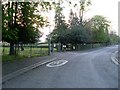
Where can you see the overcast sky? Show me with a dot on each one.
(106, 8)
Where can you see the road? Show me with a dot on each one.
(87, 69)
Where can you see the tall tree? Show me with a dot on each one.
(18, 21)
(82, 7)
(114, 39)
(60, 25)
(100, 26)
(9, 32)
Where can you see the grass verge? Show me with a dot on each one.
(27, 53)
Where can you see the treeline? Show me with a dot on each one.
(78, 31)
(21, 22)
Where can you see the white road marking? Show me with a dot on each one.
(57, 63)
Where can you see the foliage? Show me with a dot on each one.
(77, 35)
(100, 26)
(114, 39)
(82, 7)
(78, 31)
(21, 23)
(73, 34)
(60, 25)
(18, 22)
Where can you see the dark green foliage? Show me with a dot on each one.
(58, 33)
(73, 33)
(100, 26)
(95, 30)
(114, 39)
(20, 23)
(77, 35)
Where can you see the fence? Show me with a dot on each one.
(77, 47)
(40, 49)
(28, 50)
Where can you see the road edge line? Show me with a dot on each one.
(114, 60)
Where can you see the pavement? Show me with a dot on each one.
(85, 69)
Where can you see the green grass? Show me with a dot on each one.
(34, 52)
(27, 53)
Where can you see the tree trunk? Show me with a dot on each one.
(71, 47)
(61, 47)
(30, 50)
(76, 47)
(12, 51)
(10, 24)
(15, 49)
(52, 47)
(3, 52)
(92, 45)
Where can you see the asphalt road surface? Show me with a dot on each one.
(87, 69)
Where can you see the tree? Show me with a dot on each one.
(73, 19)
(114, 39)
(8, 31)
(82, 7)
(73, 34)
(18, 21)
(28, 19)
(100, 26)
(60, 25)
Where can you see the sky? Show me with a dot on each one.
(106, 8)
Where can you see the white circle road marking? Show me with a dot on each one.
(57, 63)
